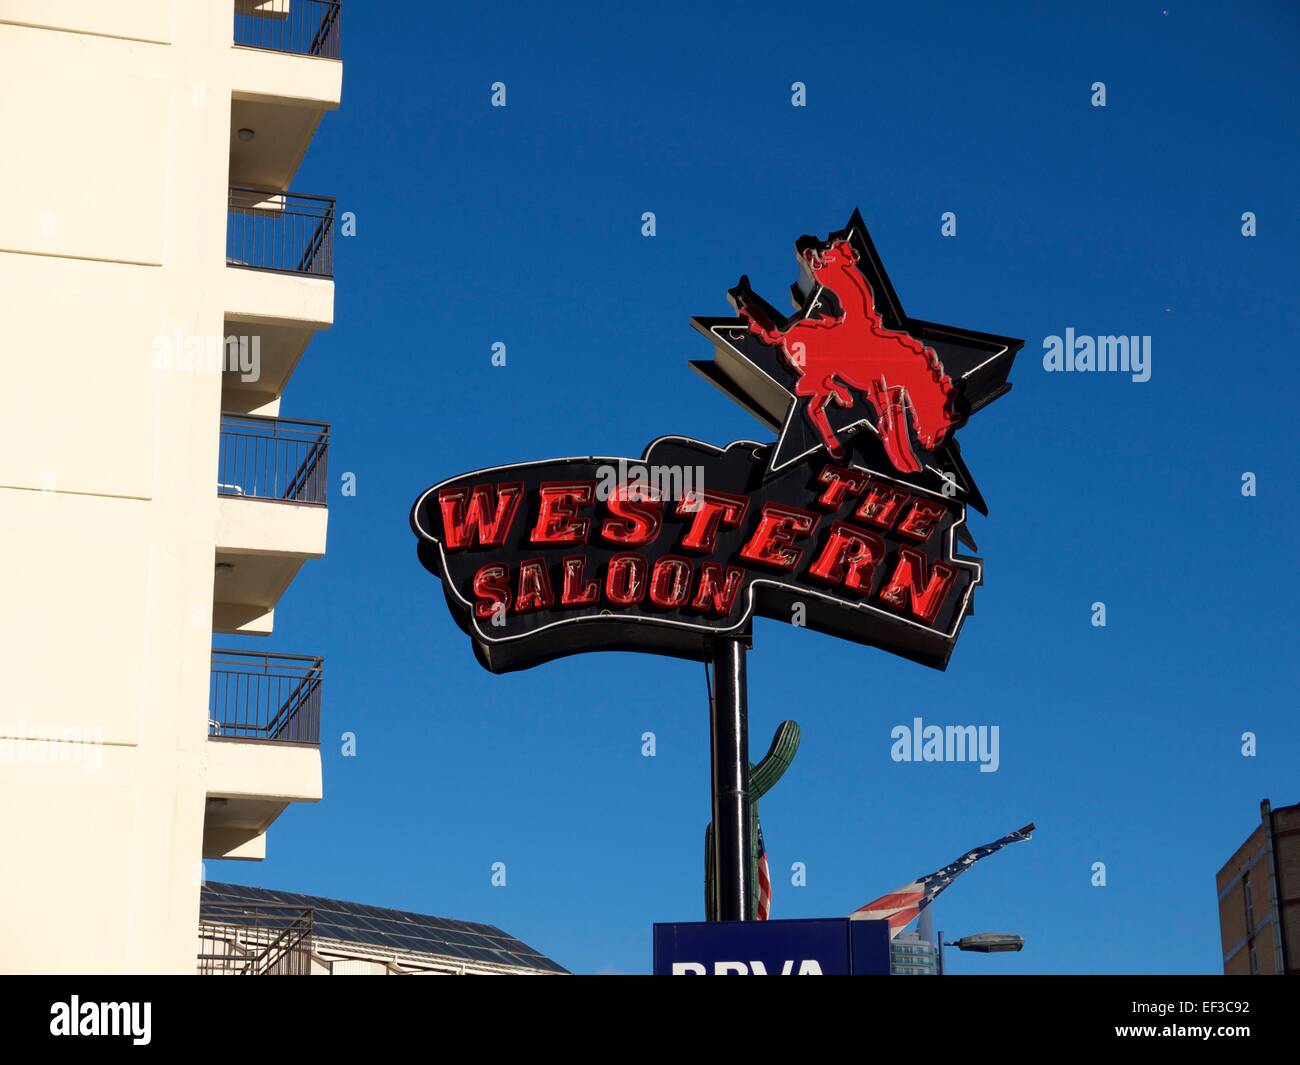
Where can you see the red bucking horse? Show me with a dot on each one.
(897, 373)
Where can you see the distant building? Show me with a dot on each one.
(246, 931)
(1259, 898)
(910, 955)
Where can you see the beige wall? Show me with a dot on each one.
(114, 119)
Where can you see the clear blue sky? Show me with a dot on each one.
(522, 225)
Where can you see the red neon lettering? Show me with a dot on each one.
(882, 506)
(921, 520)
(625, 579)
(465, 514)
(492, 586)
(840, 482)
(709, 511)
(849, 557)
(716, 595)
(535, 592)
(575, 591)
(909, 583)
(635, 522)
(778, 528)
(557, 518)
(670, 582)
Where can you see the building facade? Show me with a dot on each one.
(162, 280)
(911, 955)
(1259, 898)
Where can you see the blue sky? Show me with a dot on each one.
(523, 225)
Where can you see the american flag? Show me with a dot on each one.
(764, 907)
(901, 907)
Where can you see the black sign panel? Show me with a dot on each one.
(538, 561)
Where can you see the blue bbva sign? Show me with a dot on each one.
(830, 947)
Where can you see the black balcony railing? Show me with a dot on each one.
(304, 27)
(290, 232)
(265, 697)
(254, 939)
(273, 458)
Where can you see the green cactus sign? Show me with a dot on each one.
(762, 776)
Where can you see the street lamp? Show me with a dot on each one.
(989, 942)
(983, 943)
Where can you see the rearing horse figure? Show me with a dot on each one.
(896, 372)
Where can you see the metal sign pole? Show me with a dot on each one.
(729, 742)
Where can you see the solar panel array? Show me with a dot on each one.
(376, 926)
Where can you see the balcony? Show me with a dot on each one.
(273, 458)
(253, 939)
(285, 74)
(279, 265)
(265, 697)
(300, 27)
(288, 232)
(272, 488)
(263, 749)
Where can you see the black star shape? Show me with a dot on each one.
(758, 375)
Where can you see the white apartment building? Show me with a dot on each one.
(151, 496)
